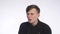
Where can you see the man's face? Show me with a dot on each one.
(32, 15)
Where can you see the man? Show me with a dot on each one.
(34, 26)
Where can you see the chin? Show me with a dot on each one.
(30, 22)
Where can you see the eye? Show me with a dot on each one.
(27, 13)
(32, 13)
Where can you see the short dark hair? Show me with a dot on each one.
(31, 7)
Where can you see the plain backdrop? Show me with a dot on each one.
(13, 13)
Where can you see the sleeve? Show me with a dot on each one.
(22, 29)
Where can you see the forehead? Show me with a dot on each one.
(32, 11)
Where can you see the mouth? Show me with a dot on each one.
(29, 19)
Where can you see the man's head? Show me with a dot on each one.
(33, 12)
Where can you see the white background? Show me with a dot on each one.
(13, 13)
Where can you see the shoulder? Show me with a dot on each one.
(24, 24)
(45, 26)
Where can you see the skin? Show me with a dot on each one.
(32, 16)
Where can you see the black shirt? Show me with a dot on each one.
(40, 28)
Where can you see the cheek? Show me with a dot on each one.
(35, 16)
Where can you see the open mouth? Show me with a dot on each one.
(29, 19)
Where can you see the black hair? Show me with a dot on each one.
(31, 7)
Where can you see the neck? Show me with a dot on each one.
(35, 23)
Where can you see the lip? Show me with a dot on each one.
(29, 19)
